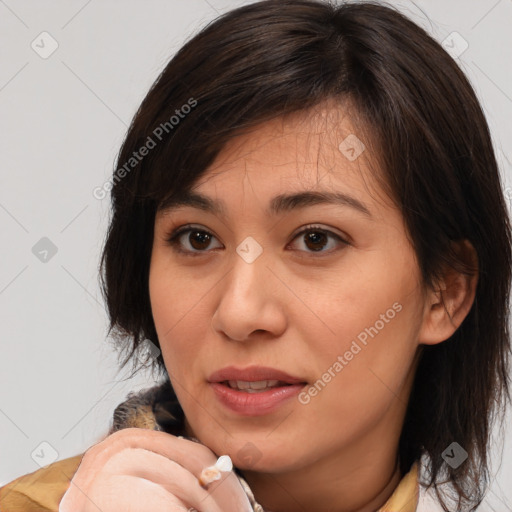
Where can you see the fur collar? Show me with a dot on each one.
(157, 408)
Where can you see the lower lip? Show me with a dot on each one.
(255, 404)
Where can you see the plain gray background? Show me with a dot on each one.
(63, 117)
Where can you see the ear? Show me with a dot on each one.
(448, 304)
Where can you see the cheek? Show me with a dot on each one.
(380, 346)
(175, 307)
(370, 351)
(372, 296)
(370, 319)
(174, 292)
(359, 382)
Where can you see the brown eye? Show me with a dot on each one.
(199, 240)
(318, 240)
(315, 240)
(193, 240)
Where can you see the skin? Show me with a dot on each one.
(141, 470)
(297, 310)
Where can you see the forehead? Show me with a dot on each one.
(320, 138)
(321, 149)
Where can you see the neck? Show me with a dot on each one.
(364, 487)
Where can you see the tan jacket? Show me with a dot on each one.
(42, 490)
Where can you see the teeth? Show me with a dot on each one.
(253, 387)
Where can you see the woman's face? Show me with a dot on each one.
(296, 262)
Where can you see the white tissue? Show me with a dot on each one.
(224, 463)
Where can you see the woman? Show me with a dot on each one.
(308, 223)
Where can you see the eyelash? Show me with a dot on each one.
(173, 239)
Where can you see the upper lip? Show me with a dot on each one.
(253, 374)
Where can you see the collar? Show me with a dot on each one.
(157, 408)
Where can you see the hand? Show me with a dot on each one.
(141, 470)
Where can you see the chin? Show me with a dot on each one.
(261, 455)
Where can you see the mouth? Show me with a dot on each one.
(258, 386)
(254, 377)
(254, 390)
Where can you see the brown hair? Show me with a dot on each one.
(273, 58)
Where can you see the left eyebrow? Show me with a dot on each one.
(279, 204)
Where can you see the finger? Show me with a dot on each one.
(189, 454)
(122, 492)
(165, 473)
(226, 493)
(229, 494)
(146, 496)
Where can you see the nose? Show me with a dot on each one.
(250, 303)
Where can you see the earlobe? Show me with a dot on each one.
(449, 303)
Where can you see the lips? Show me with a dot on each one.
(254, 374)
(254, 391)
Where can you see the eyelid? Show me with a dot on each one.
(310, 227)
